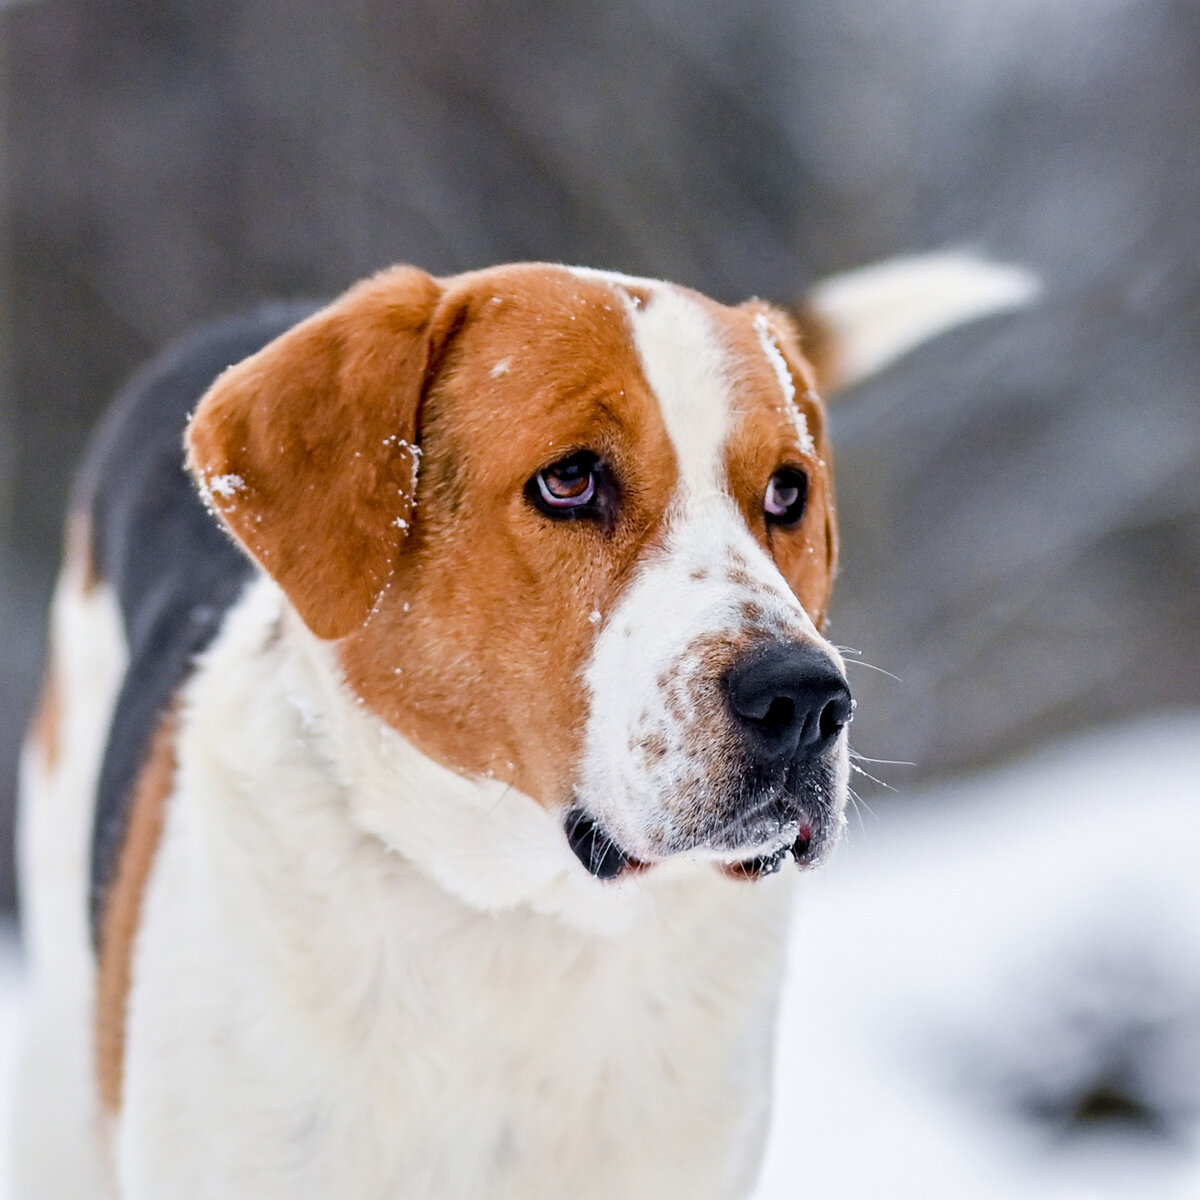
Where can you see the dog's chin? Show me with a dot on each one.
(744, 850)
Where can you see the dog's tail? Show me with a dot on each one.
(857, 323)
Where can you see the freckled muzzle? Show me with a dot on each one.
(789, 703)
(775, 769)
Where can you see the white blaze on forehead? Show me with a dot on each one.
(686, 367)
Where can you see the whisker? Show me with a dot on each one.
(867, 774)
(508, 787)
(859, 662)
(856, 802)
(864, 804)
(881, 762)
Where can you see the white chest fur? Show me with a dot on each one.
(361, 976)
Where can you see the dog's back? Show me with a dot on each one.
(146, 580)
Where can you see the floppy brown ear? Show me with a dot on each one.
(307, 450)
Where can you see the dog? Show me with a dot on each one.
(405, 808)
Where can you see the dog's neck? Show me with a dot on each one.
(482, 840)
(421, 901)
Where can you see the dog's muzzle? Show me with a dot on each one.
(787, 704)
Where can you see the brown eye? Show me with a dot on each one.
(569, 483)
(578, 487)
(787, 495)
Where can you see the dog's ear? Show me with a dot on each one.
(855, 324)
(307, 450)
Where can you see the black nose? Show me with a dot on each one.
(790, 700)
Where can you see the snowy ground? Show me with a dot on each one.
(995, 988)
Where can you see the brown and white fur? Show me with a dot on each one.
(347, 948)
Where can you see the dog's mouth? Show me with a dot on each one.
(602, 857)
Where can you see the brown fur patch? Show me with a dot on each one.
(765, 439)
(751, 612)
(487, 617)
(461, 612)
(122, 914)
(305, 448)
(653, 747)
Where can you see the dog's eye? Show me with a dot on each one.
(571, 487)
(787, 494)
(570, 483)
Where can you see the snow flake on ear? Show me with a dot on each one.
(409, 492)
(766, 338)
(414, 454)
(225, 486)
(501, 368)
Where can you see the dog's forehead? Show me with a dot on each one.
(716, 376)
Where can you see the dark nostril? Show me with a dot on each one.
(790, 700)
(779, 715)
(836, 715)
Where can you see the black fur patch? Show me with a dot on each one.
(174, 570)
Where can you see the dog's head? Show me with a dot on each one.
(570, 530)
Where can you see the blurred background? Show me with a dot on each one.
(1020, 500)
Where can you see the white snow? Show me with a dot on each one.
(774, 356)
(995, 943)
(414, 453)
(226, 485)
(770, 346)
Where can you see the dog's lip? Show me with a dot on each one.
(596, 848)
(601, 855)
(725, 837)
(803, 849)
